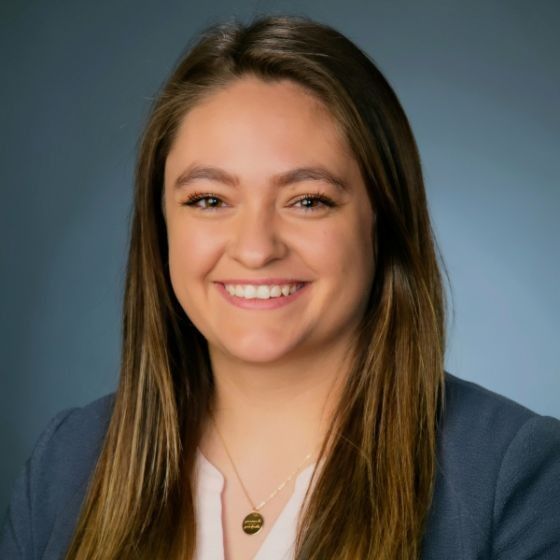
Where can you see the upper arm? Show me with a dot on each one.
(526, 517)
(17, 540)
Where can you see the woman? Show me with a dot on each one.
(282, 392)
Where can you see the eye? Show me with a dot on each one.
(210, 200)
(308, 201)
(315, 201)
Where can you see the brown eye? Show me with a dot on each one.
(310, 202)
(210, 201)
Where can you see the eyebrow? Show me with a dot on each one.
(290, 177)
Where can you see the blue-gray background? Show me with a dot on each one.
(479, 80)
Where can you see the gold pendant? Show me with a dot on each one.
(252, 523)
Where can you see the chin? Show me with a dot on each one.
(260, 356)
(258, 350)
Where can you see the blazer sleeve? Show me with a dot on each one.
(20, 529)
(526, 517)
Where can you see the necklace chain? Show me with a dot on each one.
(256, 508)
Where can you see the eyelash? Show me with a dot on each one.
(195, 197)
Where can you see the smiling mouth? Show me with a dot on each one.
(261, 296)
(262, 291)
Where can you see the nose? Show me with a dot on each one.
(256, 238)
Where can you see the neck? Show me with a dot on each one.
(284, 407)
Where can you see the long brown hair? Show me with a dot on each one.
(372, 496)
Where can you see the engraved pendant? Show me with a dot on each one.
(252, 523)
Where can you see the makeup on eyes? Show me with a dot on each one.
(317, 197)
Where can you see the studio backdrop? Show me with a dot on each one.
(479, 81)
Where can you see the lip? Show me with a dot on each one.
(255, 303)
(259, 281)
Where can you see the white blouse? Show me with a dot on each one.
(280, 540)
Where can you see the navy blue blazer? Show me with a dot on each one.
(497, 493)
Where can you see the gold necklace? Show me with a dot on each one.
(253, 522)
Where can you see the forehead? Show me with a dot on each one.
(278, 121)
(280, 97)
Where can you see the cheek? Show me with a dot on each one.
(192, 254)
(349, 250)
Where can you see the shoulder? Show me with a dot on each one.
(474, 415)
(498, 477)
(47, 495)
(75, 433)
(75, 429)
(462, 395)
(68, 447)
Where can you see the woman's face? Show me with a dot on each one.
(263, 196)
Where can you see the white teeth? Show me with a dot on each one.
(275, 291)
(249, 291)
(261, 291)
